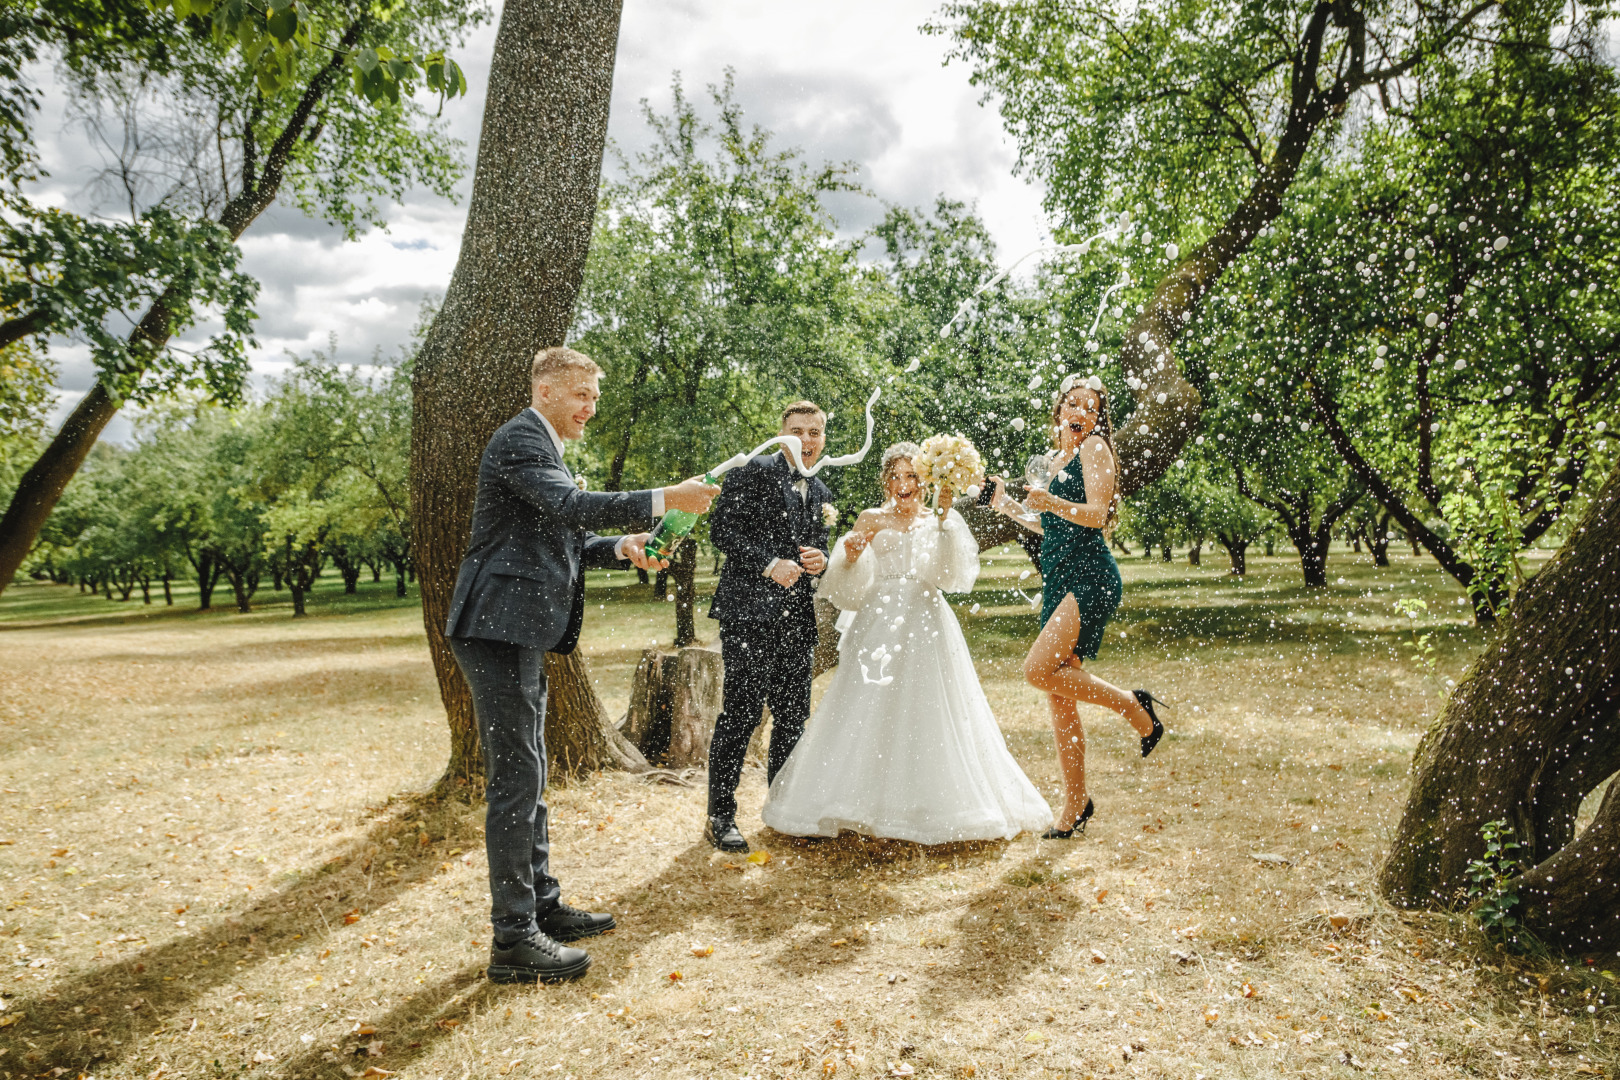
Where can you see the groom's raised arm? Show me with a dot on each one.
(525, 464)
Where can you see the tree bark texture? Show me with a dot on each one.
(674, 701)
(579, 739)
(1532, 730)
(522, 260)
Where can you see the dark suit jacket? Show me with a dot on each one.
(520, 581)
(759, 517)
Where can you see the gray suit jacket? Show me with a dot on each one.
(521, 579)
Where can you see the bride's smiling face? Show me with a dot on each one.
(903, 486)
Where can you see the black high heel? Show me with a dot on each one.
(1146, 700)
(1078, 826)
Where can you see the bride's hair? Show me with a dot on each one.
(906, 451)
(1104, 430)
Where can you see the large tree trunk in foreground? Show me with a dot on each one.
(1530, 732)
(521, 264)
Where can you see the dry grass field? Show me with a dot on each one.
(217, 861)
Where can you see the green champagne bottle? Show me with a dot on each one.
(673, 529)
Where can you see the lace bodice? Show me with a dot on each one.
(945, 558)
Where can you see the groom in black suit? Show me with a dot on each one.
(768, 522)
(520, 594)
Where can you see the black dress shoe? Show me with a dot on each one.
(1150, 741)
(564, 923)
(1079, 825)
(536, 958)
(723, 834)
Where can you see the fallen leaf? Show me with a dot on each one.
(759, 858)
(703, 950)
(1102, 893)
(7, 1021)
(374, 1071)
(352, 917)
(676, 976)
(1250, 990)
(1210, 1016)
(902, 1069)
(1034, 1037)
(1098, 958)
(260, 1057)
(1338, 922)
(447, 1024)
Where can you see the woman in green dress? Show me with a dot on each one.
(1080, 586)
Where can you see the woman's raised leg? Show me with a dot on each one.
(1052, 666)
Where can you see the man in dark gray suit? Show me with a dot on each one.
(520, 594)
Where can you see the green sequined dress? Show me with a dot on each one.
(1076, 560)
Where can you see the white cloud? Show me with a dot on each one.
(841, 80)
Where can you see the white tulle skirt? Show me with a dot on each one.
(903, 744)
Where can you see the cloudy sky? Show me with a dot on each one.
(844, 80)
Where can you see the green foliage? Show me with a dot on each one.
(1492, 898)
(276, 37)
(716, 292)
(315, 473)
(1423, 650)
(67, 275)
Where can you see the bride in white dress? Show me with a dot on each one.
(903, 744)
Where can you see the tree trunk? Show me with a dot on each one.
(1236, 550)
(1378, 540)
(661, 585)
(1313, 555)
(579, 739)
(1164, 553)
(168, 591)
(684, 571)
(207, 576)
(1532, 730)
(1195, 555)
(521, 263)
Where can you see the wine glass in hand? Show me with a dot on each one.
(1037, 474)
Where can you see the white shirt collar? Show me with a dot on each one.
(556, 440)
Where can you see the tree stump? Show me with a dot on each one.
(674, 700)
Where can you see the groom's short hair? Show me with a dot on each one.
(802, 407)
(557, 359)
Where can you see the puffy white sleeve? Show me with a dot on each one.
(954, 562)
(847, 586)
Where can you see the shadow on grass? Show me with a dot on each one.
(130, 996)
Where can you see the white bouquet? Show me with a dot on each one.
(949, 461)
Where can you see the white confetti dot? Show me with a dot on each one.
(1411, 253)
(1431, 319)
(1501, 242)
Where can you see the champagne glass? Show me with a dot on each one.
(1037, 474)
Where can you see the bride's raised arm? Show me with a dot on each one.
(846, 584)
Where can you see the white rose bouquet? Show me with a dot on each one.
(948, 461)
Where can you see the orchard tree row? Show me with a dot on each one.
(272, 492)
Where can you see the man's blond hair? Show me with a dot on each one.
(802, 407)
(558, 359)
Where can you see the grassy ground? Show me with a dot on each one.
(214, 864)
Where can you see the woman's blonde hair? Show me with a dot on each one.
(1104, 430)
(906, 451)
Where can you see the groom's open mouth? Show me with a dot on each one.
(1074, 426)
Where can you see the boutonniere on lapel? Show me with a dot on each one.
(582, 483)
(829, 514)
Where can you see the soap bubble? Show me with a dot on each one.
(1018, 423)
(1431, 320)
(1382, 349)
(1501, 242)
(1410, 253)
(1172, 252)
